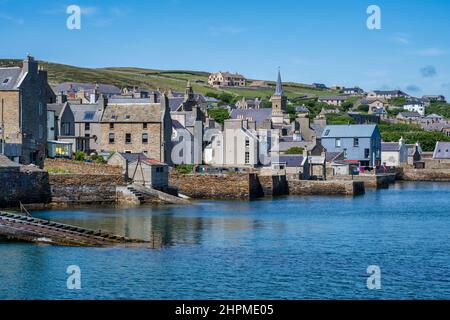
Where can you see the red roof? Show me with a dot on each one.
(152, 161)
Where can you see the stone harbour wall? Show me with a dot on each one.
(275, 185)
(440, 175)
(28, 186)
(309, 187)
(67, 189)
(208, 186)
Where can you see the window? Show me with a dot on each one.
(111, 126)
(356, 142)
(128, 138)
(144, 126)
(345, 153)
(247, 142)
(247, 157)
(40, 108)
(127, 117)
(87, 126)
(65, 128)
(145, 138)
(366, 153)
(89, 115)
(338, 143)
(218, 143)
(111, 138)
(41, 132)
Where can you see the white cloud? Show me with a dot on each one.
(401, 38)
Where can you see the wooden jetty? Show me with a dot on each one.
(26, 228)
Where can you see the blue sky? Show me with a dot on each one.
(312, 41)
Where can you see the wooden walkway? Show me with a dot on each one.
(24, 228)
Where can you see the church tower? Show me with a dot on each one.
(279, 102)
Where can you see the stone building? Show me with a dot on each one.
(24, 94)
(279, 103)
(227, 79)
(135, 127)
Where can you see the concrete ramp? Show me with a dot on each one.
(159, 194)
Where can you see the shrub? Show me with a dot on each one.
(80, 155)
(185, 168)
(363, 108)
(294, 150)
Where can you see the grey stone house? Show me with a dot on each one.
(24, 94)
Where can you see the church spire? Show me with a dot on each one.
(279, 87)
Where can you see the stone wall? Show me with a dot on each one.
(437, 164)
(407, 174)
(309, 187)
(24, 185)
(205, 186)
(67, 189)
(370, 181)
(275, 185)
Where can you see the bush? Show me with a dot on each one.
(185, 168)
(219, 114)
(336, 119)
(363, 108)
(98, 159)
(80, 156)
(294, 150)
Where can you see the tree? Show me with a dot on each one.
(219, 114)
(363, 108)
(347, 105)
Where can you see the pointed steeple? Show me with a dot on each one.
(279, 87)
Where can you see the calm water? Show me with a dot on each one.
(289, 248)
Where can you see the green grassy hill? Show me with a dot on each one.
(160, 79)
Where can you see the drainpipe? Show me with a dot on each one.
(3, 130)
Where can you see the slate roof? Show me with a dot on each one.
(413, 114)
(132, 157)
(442, 150)
(390, 146)
(291, 161)
(330, 156)
(390, 92)
(9, 78)
(80, 111)
(57, 107)
(137, 113)
(338, 98)
(349, 131)
(258, 115)
(102, 88)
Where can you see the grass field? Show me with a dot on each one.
(160, 79)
